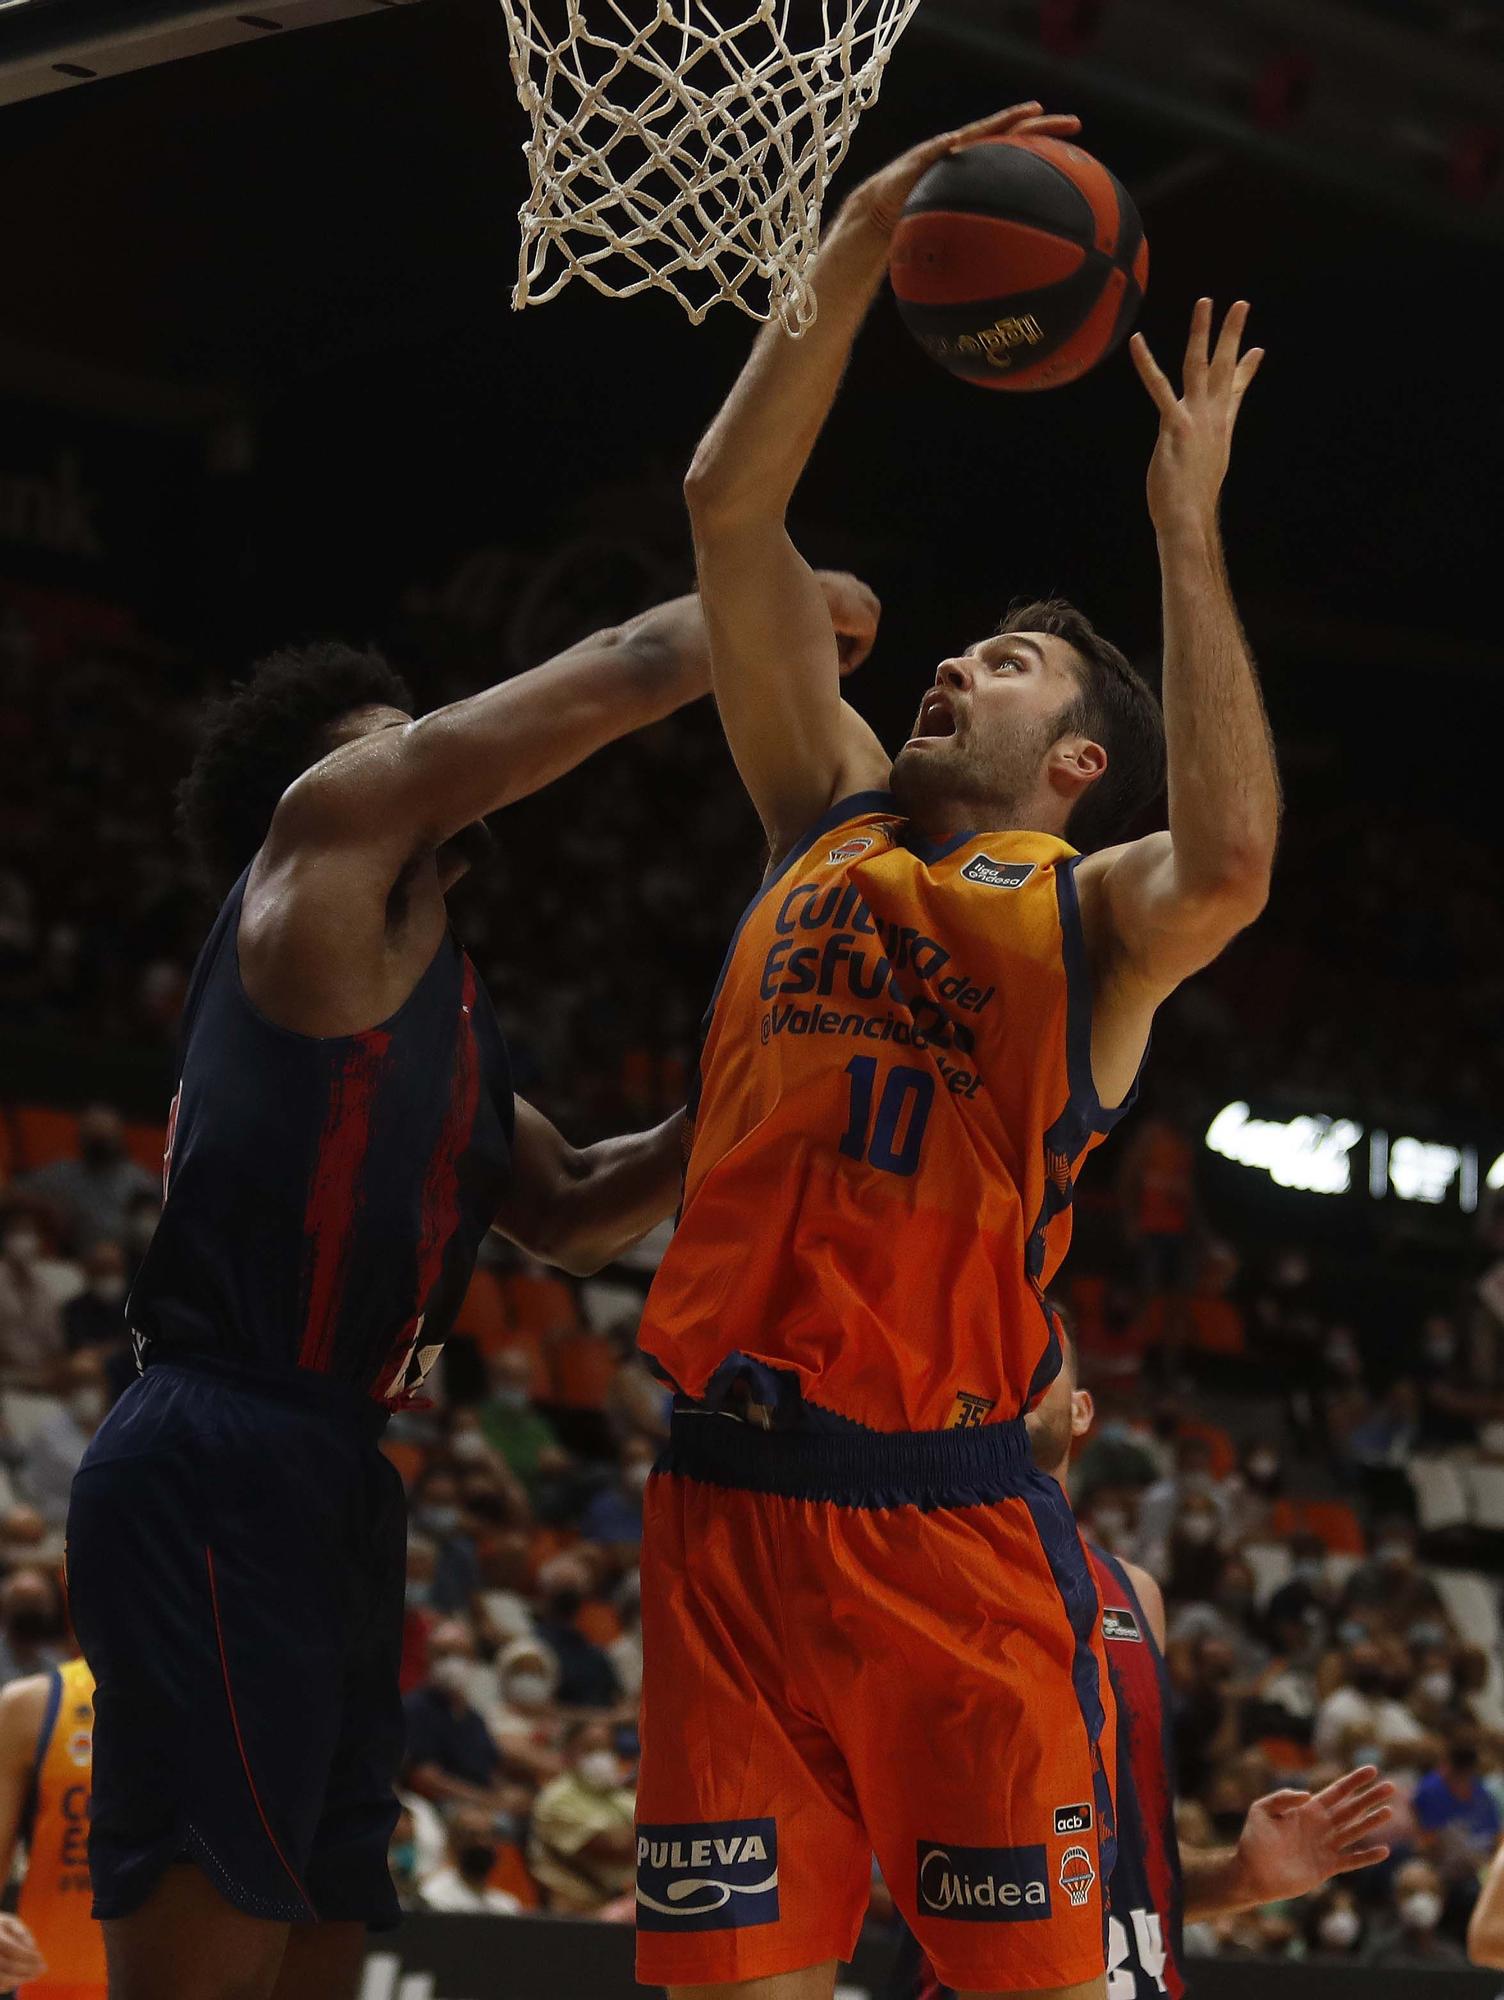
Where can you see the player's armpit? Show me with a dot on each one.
(579, 1207)
(1147, 925)
(777, 635)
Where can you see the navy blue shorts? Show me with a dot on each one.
(236, 1570)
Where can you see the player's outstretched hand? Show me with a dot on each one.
(854, 611)
(19, 1958)
(879, 201)
(1195, 428)
(1293, 1842)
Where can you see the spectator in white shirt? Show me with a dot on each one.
(34, 1288)
(1362, 1707)
(60, 1441)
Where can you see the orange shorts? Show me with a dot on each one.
(860, 1643)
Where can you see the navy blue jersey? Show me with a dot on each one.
(1144, 1949)
(326, 1198)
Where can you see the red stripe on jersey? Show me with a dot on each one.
(441, 1198)
(334, 1194)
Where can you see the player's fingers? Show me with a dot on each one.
(1054, 124)
(1229, 340)
(1246, 369)
(1152, 375)
(1359, 1857)
(1196, 346)
(1365, 1823)
(1349, 1784)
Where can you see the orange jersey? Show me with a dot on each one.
(896, 1096)
(55, 1897)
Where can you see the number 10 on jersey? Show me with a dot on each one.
(892, 1138)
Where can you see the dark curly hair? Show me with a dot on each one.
(1115, 707)
(265, 732)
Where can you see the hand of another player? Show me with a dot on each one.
(1195, 428)
(1292, 1842)
(854, 611)
(19, 1957)
(880, 200)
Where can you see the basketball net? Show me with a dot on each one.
(685, 145)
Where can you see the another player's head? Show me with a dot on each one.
(1063, 1413)
(1045, 727)
(296, 707)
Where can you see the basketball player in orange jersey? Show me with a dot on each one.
(52, 1949)
(868, 1619)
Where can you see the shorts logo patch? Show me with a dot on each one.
(967, 1411)
(1119, 1623)
(984, 1885)
(997, 874)
(1077, 1875)
(850, 849)
(1073, 1819)
(717, 1875)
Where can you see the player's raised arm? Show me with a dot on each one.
(775, 659)
(418, 784)
(578, 1207)
(1165, 906)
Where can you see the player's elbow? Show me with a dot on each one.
(719, 498)
(1230, 890)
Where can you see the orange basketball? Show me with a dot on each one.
(1019, 263)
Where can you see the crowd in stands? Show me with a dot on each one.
(1310, 1628)
(1261, 1440)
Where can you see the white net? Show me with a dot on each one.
(686, 144)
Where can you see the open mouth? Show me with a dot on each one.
(936, 716)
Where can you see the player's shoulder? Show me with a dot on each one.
(23, 1710)
(1150, 1597)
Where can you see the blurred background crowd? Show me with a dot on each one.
(1306, 1453)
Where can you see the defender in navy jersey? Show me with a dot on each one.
(1291, 1842)
(344, 1134)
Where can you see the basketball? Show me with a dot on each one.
(1020, 263)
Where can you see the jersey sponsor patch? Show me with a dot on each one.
(984, 1885)
(1119, 1623)
(1073, 1819)
(850, 849)
(1077, 1875)
(997, 874)
(967, 1411)
(708, 1875)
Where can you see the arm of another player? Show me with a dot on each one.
(22, 1707)
(1160, 908)
(774, 663)
(579, 1207)
(1485, 1927)
(1291, 1843)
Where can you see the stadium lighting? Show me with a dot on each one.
(1311, 1154)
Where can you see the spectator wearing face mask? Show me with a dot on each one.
(96, 1317)
(1189, 1487)
(31, 1625)
(60, 1441)
(521, 1434)
(34, 1288)
(402, 1860)
(1107, 1519)
(524, 1717)
(462, 1886)
(1410, 1939)
(438, 1513)
(1252, 1494)
(451, 1755)
(91, 1193)
(1193, 1558)
(1333, 1926)
(1363, 1707)
(587, 1678)
(1456, 1814)
(582, 1848)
